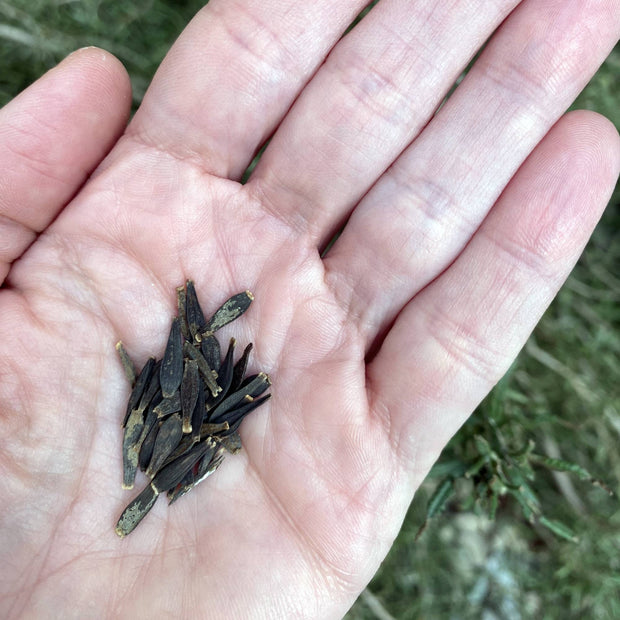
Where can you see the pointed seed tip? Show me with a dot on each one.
(250, 295)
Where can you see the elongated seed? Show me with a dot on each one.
(182, 311)
(151, 390)
(225, 371)
(146, 449)
(256, 387)
(169, 405)
(133, 430)
(210, 348)
(149, 421)
(189, 392)
(237, 414)
(203, 470)
(138, 388)
(199, 412)
(171, 371)
(136, 511)
(203, 367)
(170, 475)
(195, 318)
(187, 443)
(230, 310)
(128, 366)
(168, 438)
(240, 368)
(182, 488)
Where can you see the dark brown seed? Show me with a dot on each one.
(187, 443)
(131, 435)
(195, 317)
(254, 388)
(138, 389)
(207, 466)
(204, 468)
(199, 412)
(146, 450)
(170, 475)
(237, 414)
(210, 348)
(136, 511)
(149, 421)
(230, 310)
(169, 405)
(225, 372)
(205, 370)
(152, 390)
(171, 371)
(168, 438)
(182, 311)
(189, 392)
(128, 366)
(240, 369)
(182, 488)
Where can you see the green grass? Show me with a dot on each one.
(562, 395)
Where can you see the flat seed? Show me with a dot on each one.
(225, 372)
(138, 388)
(182, 488)
(205, 370)
(133, 430)
(146, 450)
(254, 388)
(151, 390)
(240, 369)
(230, 310)
(195, 318)
(237, 414)
(170, 475)
(171, 371)
(187, 443)
(207, 466)
(182, 311)
(210, 348)
(168, 438)
(189, 392)
(203, 469)
(169, 405)
(128, 366)
(149, 421)
(136, 511)
(199, 412)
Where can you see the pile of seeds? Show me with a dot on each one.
(184, 410)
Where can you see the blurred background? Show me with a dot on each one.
(517, 519)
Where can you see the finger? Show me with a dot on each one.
(376, 91)
(423, 211)
(457, 337)
(232, 75)
(52, 136)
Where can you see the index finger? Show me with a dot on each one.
(233, 74)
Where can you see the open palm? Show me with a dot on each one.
(460, 231)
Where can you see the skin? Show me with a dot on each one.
(462, 227)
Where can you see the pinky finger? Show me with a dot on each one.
(458, 336)
(52, 136)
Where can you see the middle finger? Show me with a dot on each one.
(374, 94)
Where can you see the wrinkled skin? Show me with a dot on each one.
(461, 231)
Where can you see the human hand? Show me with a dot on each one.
(378, 352)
